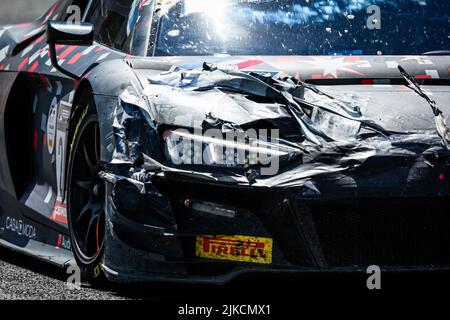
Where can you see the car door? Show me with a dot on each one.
(34, 113)
(119, 28)
(52, 108)
(37, 148)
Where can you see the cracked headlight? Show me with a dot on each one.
(185, 148)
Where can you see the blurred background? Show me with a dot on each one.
(17, 11)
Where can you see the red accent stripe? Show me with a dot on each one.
(59, 218)
(367, 82)
(424, 76)
(351, 59)
(35, 140)
(33, 67)
(22, 25)
(44, 80)
(316, 76)
(67, 52)
(23, 63)
(45, 139)
(39, 40)
(52, 10)
(87, 75)
(75, 58)
(1, 67)
(249, 63)
(27, 38)
(58, 244)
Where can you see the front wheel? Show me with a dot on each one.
(86, 200)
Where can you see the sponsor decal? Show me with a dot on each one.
(60, 212)
(235, 248)
(60, 144)
(249, 64)
(51, 126)
(21, 228)
(331, 67)
(61, 124)
(63, 242)
(60, 162)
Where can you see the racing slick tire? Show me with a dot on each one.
(86, 200)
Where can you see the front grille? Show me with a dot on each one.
(384, 232)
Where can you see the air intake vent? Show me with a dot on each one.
(384, 232)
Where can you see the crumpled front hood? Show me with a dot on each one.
(331, 131)
(189, 98)
(393, 106)
(188, 108)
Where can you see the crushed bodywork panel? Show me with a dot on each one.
(330, 134)
(331, 151)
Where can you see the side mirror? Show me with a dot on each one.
(64, 33)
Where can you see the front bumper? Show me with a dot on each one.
(354, 222)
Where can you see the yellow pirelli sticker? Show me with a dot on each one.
(235, 248)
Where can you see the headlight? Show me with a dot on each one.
(185, 148)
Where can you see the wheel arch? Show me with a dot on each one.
(82, 98)
(99, 90)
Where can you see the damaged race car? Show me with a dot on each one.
(197, 141)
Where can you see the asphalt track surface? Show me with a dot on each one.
(25, 278)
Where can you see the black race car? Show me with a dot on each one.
(115, 137)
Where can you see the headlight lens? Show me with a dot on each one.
(185, 148)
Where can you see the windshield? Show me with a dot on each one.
(302, 27)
